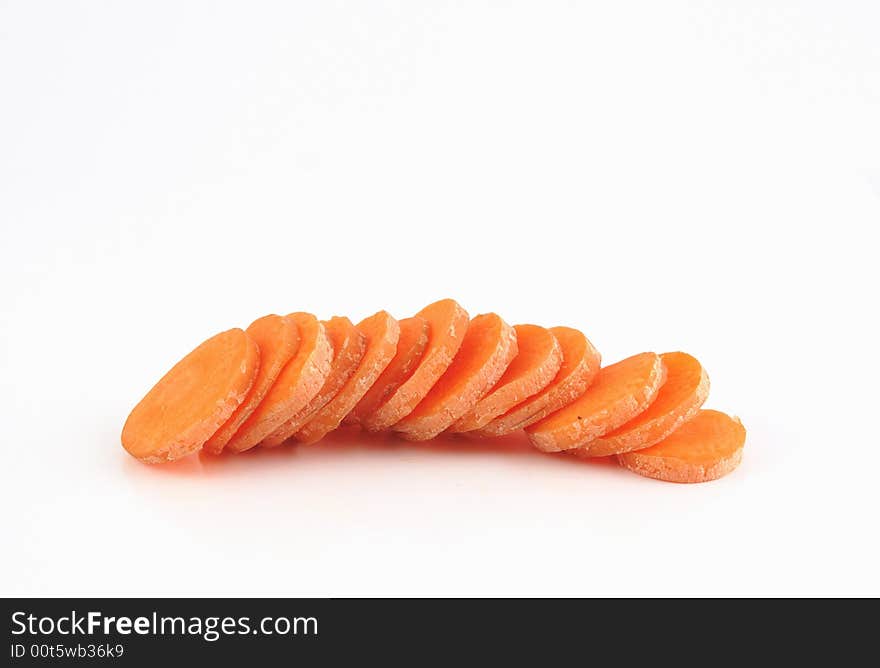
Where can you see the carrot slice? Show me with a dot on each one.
(348, 349)
(486, 352)
(580, 364)
(448, 323)
(536, 363)
(296, 385)
(619, 393)
(277, 338)
(192, 400)
(382, 333)
(681, 396)
(410, 346)
(706, 448)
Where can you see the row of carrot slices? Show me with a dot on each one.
(295, 378)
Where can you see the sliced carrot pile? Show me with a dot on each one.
(537, 362)
(297, 384)
(447, 322)
(348, 349)
(681, 396)
(619, 393)
(277, 338)
(193, 399)
(410, 346)
(381, 332)
(488, 348)
(294, 378)
(706, 448)
(580, 364)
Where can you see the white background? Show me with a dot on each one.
(698, 176)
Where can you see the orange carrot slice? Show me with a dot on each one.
(706, 448)
(192, 400)
(448, 323)
(537, 361)
(486, 352)
(296, 385)
(410, 346)
(580, 364)
(277, 338)
(679, 400)
(619, 393)
(348, 349)
(382, 333)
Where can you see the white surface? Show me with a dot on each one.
(693, 176)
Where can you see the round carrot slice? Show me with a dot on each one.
(706, 448)
(382, 333)
(486, 352)
(448, 323)
(619, 393)
(348, 349)
(277, 338)
(193, 399)
(536, 363)
(297, 384)
(679, 400)
(580, 364)
(410, 346)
